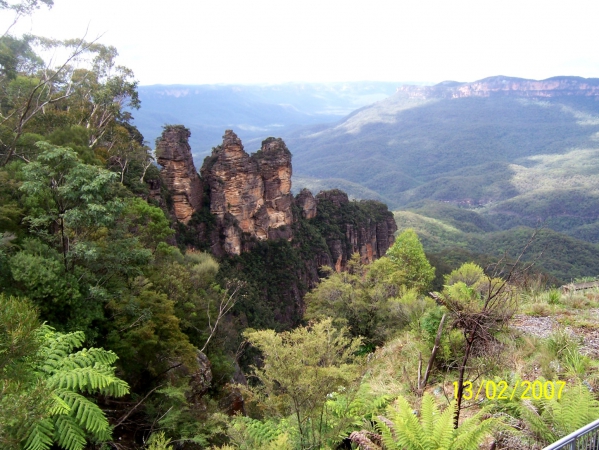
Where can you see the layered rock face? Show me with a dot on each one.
(370, 232)
(250, 194)
(250, 199)
(274, 163)
(179, 172)
(306, 201)
(497, 86)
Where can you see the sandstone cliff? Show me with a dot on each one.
(500, 85)
(249, 195)
(250, 201)
(242, 208)
(366, 227)
(307, 203)
(179, 172)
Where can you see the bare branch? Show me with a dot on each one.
(227, 302)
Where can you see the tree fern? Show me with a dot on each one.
(41, 435)
(401, 429)
(348, 410)
(68, 433)
(550, 420)
(71, 417)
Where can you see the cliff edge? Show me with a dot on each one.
(250, 200)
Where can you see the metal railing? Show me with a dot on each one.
(586, 438)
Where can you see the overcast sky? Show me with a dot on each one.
(272, 41)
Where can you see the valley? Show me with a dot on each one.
(509, 153)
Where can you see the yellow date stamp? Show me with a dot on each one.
(502, 390)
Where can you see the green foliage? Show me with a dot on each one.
(370, 300)
(72, 417)
(44, 383)
(550, 420)
(301, 368)
(63, 192)
(23, 400)
(401, 428)
(408, 256)
(185, 420)
(451, 344)
(146, 222)
(349, 410)
(248, 434)
(39, 273)
(146, 333)
(272, 273)
(11, 208)
(556, 254)
(158, 441)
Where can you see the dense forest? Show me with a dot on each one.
(120, 330)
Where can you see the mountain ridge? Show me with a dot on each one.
(503, 85)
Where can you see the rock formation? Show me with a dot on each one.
(179, 172)
(250, 199)
(250, 195)
(500, 85)
(274, 163)
(306, 201)
(369, 232)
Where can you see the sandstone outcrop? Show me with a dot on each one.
(250, 195)
(250, 200)
(366, 227)
(274, 163)
(179, 172)
(500, 85)
(307, 203)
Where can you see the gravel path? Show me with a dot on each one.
(543, 327)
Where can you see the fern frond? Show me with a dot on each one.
(58, 406)
(68, 433)
(58, 346)
(534, 421)
(404, 430)
(89, 379)
(40, 436)
(88, 357)
(86, 413)
(552, 419)
(427, 413)
(472, 432)
(444, 433)
(263, 432)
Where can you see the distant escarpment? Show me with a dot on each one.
(500, 85)
(248, 216)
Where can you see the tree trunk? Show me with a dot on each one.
(456, 418)
(431, 360)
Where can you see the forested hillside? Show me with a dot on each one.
(420, 144)
(151, 306)
(505, 152)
